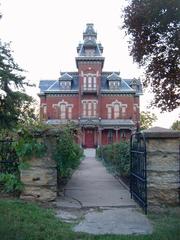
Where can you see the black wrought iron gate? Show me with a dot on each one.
(138, 175)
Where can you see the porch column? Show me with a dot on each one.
(95, 137)
(83, 137)
(100, 137)
(116, 135)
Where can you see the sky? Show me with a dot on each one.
(44, 35)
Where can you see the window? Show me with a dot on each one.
(65, 85)
(114, 85)
(110, 136)
(94, 82)
(69, 112)
(116, 111)
(85, 83)
(94, 109)
(63, 111)
(109, 112)
(44, 109)
(89, 82)
(123, 111)
(89, 108)
(84, 109)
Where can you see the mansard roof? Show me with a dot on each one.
(113, 76)
(53, 86)
(66, 77)
(45, 84)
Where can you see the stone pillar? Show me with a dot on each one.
(163, 165)
(40, 176)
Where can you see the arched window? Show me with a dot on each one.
(94, 109)
(62, 111)
(69, 112)
(109, 112)
(116, 111)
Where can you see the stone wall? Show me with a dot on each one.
(40, 177)
(162, 167)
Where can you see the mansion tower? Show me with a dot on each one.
(101, 103)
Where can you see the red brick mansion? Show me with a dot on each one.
(102, 104)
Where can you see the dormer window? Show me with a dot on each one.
(134, 85)
(65, 81)
(66, 85)
(114, 85)
(114, 81)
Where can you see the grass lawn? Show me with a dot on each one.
(24, 221)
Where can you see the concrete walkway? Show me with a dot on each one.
(103, 202)
(93, 186)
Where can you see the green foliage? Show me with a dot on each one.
(176, 125)
(117, 157)
(15, 104)
(28, 143)
(27, 221)
(67, 153)
(147, 119)
(153, 28)
(10, 183)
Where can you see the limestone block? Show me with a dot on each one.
(162, 161)
(42, 162)
(163, 145)
(36, 176)
(165, 180)
(35, 193)
(158, 196)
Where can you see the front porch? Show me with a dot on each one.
(98, 132)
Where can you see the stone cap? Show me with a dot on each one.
(159, 132)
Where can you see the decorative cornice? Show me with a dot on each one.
(117, 94)
(61, 94)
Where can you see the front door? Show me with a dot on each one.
(89, 138)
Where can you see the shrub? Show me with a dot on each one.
(116, 156)
(67, 153)
(29, 145)
(10, 183)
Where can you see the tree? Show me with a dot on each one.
(147, 119)
(14, 102)
(176, 125)
(154, 30)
